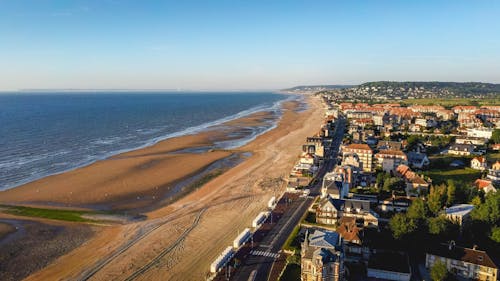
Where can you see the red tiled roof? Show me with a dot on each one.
(480, 183)
(359, 146)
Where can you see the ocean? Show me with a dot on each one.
(48, 133)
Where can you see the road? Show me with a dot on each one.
(262, 257)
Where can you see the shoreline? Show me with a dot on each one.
(129, 167)
(193, 130)
(228, 202)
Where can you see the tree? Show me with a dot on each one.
(393, 184)
(495, 136)
(450, 193)
(439, 271)
(436, 197)
(401, 225)
(476, 201)
(489, 211)
(438, 225)
(495, 234)
(417, 210)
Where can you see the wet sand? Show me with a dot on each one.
(136, 179)
(223, 206)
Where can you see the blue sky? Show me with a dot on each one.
(244, 44)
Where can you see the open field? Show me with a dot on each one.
(461, 176)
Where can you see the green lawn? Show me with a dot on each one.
(55, 214)
(461, 176)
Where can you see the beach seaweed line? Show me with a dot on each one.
(54, 214)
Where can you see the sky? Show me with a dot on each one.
(235, 45)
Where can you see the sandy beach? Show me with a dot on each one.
(184, 237)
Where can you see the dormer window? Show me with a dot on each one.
(480, 258)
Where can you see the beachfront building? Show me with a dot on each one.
(362, 152)
(337, 183)
(389, 160)
(322, 257)
(464, 262)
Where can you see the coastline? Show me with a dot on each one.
(88, 160)
(137, 178)
(229, 202)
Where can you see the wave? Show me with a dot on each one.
(274, 107)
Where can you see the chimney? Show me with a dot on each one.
(451, 245)
(474, 247)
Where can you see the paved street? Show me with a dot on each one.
(259, 260)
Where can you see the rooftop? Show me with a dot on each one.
(459, 210)
(463, 254)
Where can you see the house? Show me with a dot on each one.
(479, 163)
(480, 132)
(461, 149)
(414, 183)
(317, 143)
(470, 140)
(495, 146)
(386, 265)
(389, 145)
(363, 152)
(394, 204)
(322, 256)
(333, 187)
(464, 262)
(353, 236)
(330, 211)
(485, 185)
(417, 160)
(389, 160)
(459, 213)
(494, 172)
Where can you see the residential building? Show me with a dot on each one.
(459, 213)
(464, 262)
(330, 211)
(418, 160)
(461, 149)
(363, 152)
(485, 185)
(322, 257)
(389, 160)
(352, 234)
(480, 132)
(479, 163)
(389, 145)
(415, 184)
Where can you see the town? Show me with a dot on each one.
(383, 191)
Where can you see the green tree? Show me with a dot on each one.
(439, 271)
(435, 200)
(495, 136)
(450, 193)
(438, 225)
(393, 184)
(489, 211)
(495, 234)
(401, 225)
(476, 201)
(417, 210)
